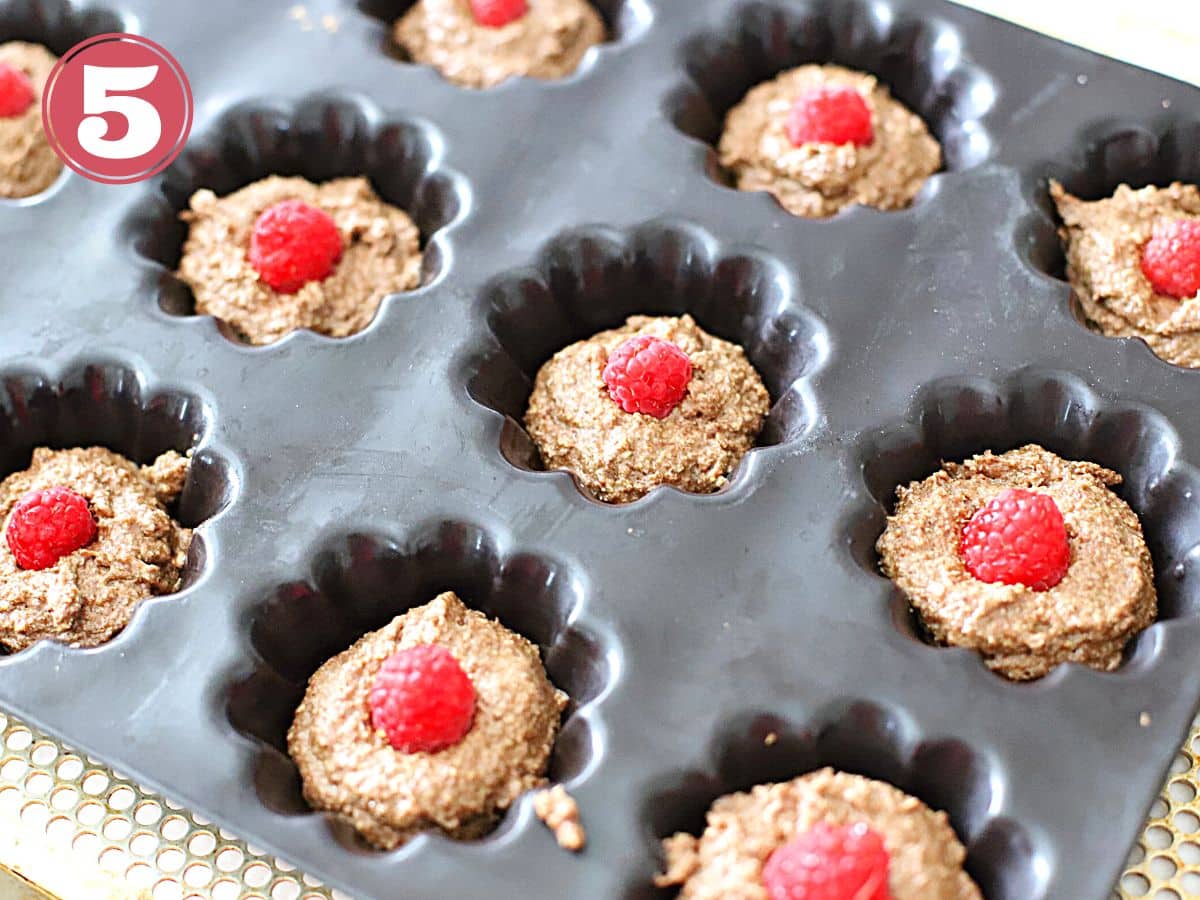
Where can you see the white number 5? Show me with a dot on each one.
(145, 125)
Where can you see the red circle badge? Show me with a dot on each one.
(117, 108)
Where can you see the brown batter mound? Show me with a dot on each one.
(620, 456)
(1104, 241)
(381, 256)
(818, 179)
(27, 164)
(139, 551)
(547, 42)
(726, 862)
(351, 770)
(1106, 597)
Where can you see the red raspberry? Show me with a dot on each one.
(16, 91)
(1018, 538)
(647, 375)
(829, 862)
(48, 525)
(498, 13)
(294, 243)
(830, 115)
(1171, 260)
(422, 700)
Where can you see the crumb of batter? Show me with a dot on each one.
(743, 829)
(548, 42)
(139, 550)
(619, 456)
(27, 164)
(1104, 240)
(560, 813)
(348, 768)
(381, 255)
(816, 180)
(1106, 597)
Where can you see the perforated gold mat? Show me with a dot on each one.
(81, 831)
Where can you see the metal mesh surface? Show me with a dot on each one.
(79, 828)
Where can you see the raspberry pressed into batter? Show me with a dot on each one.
(648, 375)
(1018, 538)
(498, 13)
(294, 243)
(422, 700)
(48, 525)
(830, 115)
(1171, 258)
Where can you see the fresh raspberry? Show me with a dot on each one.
(829, 862)
(47, 525)
(648, 375)
(1171, 259)
(1018, 538)
(422, 700)
(16, 91)
(498, 13)
(294, 243)
(830, 115)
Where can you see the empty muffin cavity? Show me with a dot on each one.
(357, 583)
(109, 404)
(592, 279)
(954, 419)
(920, 59)
(319, 138)
(863, 738)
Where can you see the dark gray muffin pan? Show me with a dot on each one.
(339, 482)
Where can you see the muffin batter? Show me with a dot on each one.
(620, 456)
(350, 768)
(139, 551)
(27, 164)
(743, 829)
(1104, 241)
(1106, 597)
(381, 256)
(548, 42)
(817, 179)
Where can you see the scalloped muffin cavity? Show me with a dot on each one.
(350, 769)
(139, 551)
(27, 163)
(1104, 241)
(815, 179)
(1106, 597)
(381, 254)
(619, 456)
(548, 42)
(726, 862)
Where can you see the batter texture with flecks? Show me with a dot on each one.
(1104, 241)
(349, 768)
(818, 179)
(381, 255)
(619, 456)
(742, 830)
(548, 42)
(27, 163)
(1106, 597)
(139, 550)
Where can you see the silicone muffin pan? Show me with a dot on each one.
(339, 482)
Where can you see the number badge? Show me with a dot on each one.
(117, 108)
